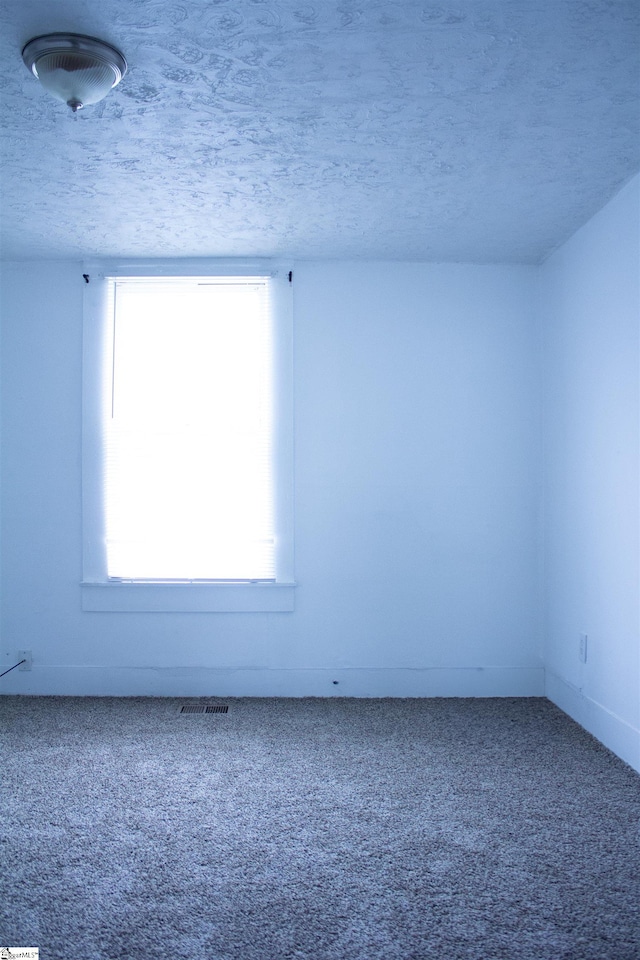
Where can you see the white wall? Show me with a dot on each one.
(417, 491)
(590, 310)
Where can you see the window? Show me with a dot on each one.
(187, 447)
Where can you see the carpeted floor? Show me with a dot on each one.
(319, 829)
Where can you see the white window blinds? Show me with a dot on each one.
(188, 430)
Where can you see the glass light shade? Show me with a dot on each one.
(75, 69)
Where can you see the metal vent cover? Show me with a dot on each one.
(203, 708)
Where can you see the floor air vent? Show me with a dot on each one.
(203, 708)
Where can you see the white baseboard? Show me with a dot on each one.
(78, 681)
(58, 680)
(614, 732)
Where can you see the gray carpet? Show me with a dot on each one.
(316, 829)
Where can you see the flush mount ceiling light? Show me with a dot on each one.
(75, 69)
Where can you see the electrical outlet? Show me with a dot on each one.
(26, 656)
(582, 648)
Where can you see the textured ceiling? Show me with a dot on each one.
(464, 130)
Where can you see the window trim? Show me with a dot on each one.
(98, 592)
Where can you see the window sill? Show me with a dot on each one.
(140, 597)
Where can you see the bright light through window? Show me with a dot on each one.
(189, 431)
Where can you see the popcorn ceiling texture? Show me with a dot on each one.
(464, 130)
